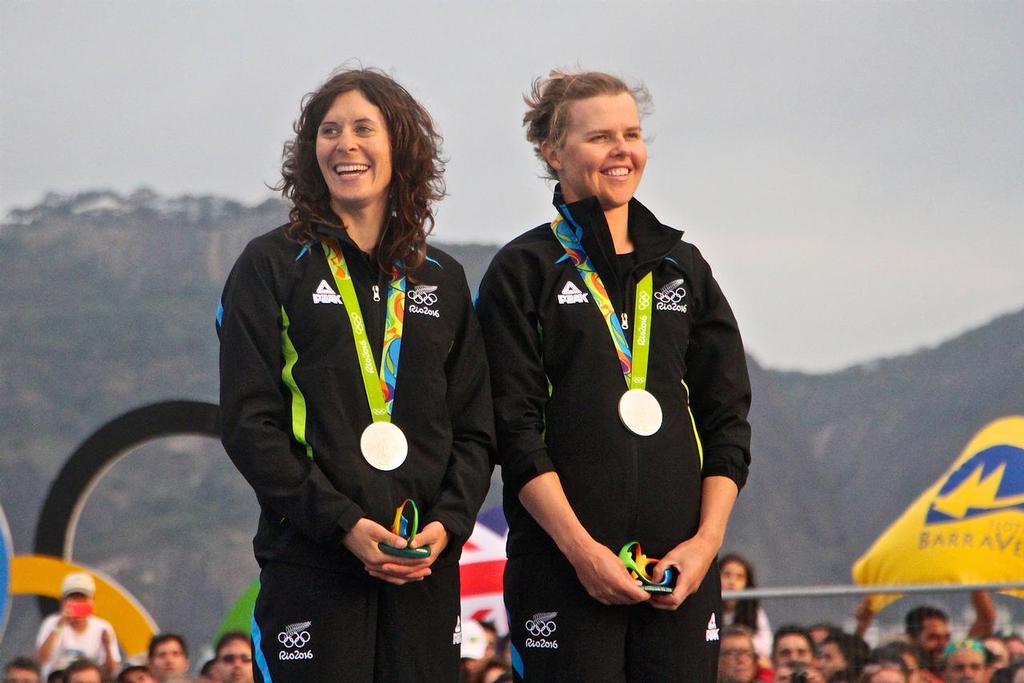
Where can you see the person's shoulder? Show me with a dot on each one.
(100, 624)
(687, 255)
(536, 243)
(274, 242)
(272, 252)
(536, 238)
(49, 622)
(439, 260)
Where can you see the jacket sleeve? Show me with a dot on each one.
(717, 381)
(255, 416)
(510, 323)
(468, 400)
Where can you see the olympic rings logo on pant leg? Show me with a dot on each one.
(292, 640)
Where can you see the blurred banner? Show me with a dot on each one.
(481, 570)
(968, 527)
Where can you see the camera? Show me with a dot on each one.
(799, 674)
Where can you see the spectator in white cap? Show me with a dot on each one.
(75, 632)
(473, 649)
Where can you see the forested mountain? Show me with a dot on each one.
(108, 303)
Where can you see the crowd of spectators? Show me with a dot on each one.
(75, 646)
(924, 653)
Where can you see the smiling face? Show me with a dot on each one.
(353, 150)
(603, 154)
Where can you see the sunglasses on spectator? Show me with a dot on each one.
(232, 658)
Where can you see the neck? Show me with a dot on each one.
(363, 224)
(618, 225)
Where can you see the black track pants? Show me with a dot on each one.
(313, 625)
(559, 633)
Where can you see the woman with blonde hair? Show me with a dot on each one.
(621, 396)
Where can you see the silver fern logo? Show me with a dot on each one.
(542, 625)
(295, 636)
(670, 296)
(422, 298)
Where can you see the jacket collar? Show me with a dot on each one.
(652, 241)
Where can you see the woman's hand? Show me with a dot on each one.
(362, 541)
(433, 536)
(691, 560)
(604, 576)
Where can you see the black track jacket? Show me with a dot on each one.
(293, 405)
(557, 382)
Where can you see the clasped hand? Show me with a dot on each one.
(363, 539)
(691, 559)
(605, 577)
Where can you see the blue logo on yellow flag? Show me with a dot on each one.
(991, 481)
(967, 527)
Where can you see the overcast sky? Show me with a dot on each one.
(854, 172)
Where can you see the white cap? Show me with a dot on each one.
(78, 583)
(474, 640)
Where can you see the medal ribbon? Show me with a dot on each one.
(633, 363)
(380, 389)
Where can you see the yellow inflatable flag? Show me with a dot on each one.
(966, 528)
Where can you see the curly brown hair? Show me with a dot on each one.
(547, 114)
(417, 177)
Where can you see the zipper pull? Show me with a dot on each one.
(625, 321)
(376, 293)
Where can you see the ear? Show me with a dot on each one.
(550, 155)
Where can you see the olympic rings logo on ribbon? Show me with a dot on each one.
(293, 640)
(643, 300)
(424, 295)
(541, 628)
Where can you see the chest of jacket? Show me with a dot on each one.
(317, 330)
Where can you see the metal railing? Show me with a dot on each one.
(842, 591)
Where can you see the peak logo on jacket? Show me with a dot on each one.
(422, 298)
(325, 295)
(571, 294)
(670, 297)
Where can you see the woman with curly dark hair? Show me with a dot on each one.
(368, 486)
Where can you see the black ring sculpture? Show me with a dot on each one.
(55, 531)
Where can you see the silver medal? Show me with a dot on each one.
(384, 446)
(640, 412)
